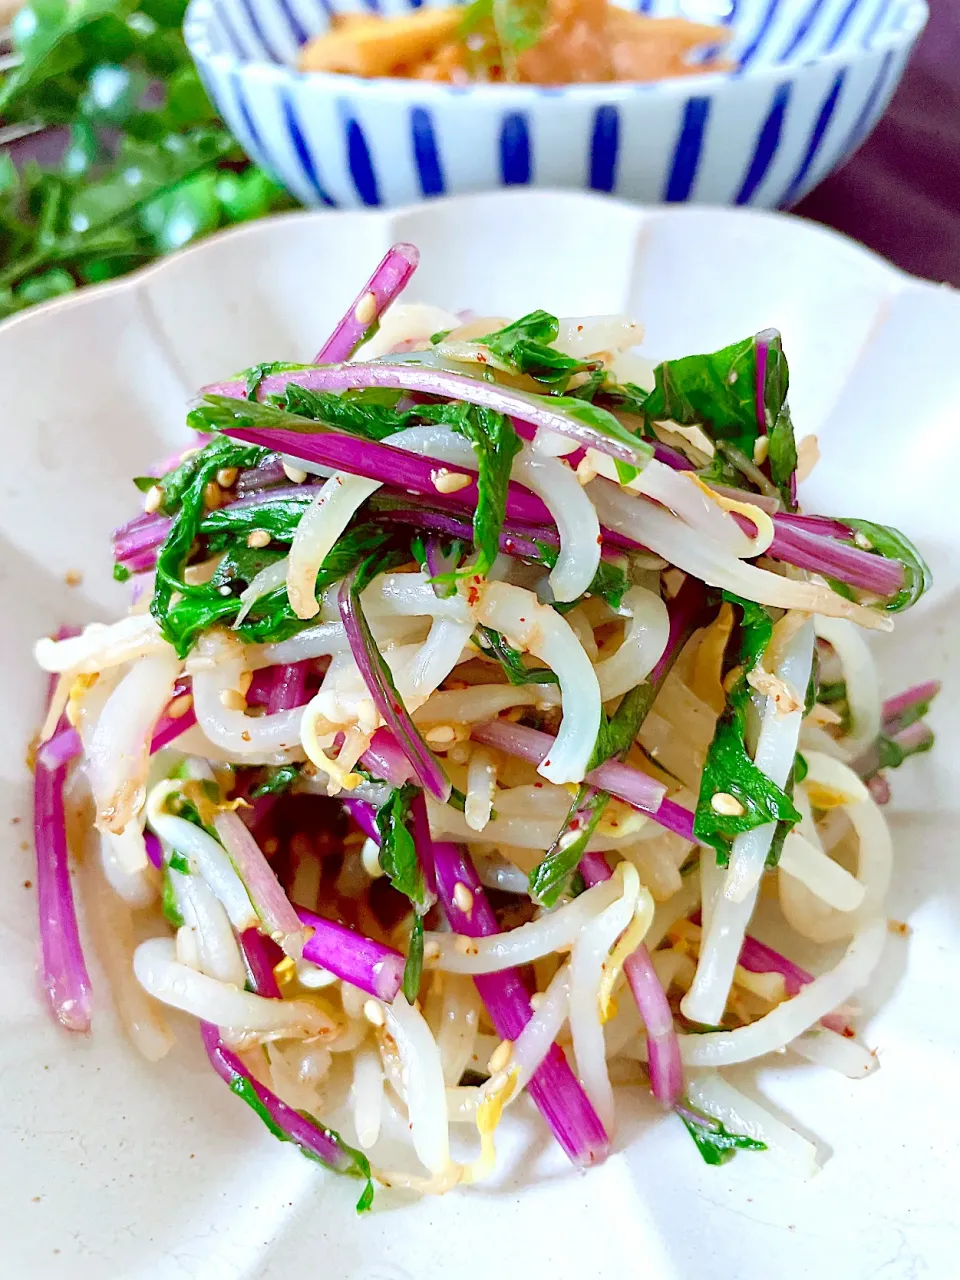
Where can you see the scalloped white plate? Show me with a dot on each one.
(115, 1169)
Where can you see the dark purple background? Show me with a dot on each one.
(900, 194)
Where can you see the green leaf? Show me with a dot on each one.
(782, 455)
(618, 733)
(524, 347)
(361, 413)
(47, 285)
(279, 516)
(728, 769)
(718, 391)
(511, 660)
(496, 444)
(893, 545)
(413, 968)
(519, 24)
(398, 853)
(276, 779)
(552, 873)
(184, 213)
(354, 1163)
(168, 901)
(714, 1141)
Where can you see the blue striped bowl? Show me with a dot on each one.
(813, 78)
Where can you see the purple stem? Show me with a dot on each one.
(894, 707)
(64, 746)
(445, 385)
(663, 1047)
(168, 728)
(823, 526)
(363, 318)
(254, 479)
(144, 533)
(297, 1128)
(379, 682)
(154, 849)
(759, 958)
(384, 759)
(762, 344)
(630, 785)
(387, 464)
(553, 1086)
(361, 961)
(857, 568)
(364, 815)
(64, 971)
(261, 954)
(289, 687)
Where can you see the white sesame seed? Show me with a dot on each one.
(586, 471)
(258, 538)
(761, 447)
(863, 542)
(370, 857)
(233, 700)
(153, 499)
(294, 474)
(227, 477)
(728, 805)
(500, 1056)
(212, 495)
(441, 733)
(365, 311)
(536, 1000)
(180, 706)
(445, 481)
(463, 897)
(373, 1013)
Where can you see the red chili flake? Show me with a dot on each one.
(473, 594)
(599, 540)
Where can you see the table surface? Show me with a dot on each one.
(900, 193)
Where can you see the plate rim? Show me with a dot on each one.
(135, 281)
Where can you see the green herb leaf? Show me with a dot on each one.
(511, 660)
(398, 853)
(714, 1140)
(728, 769)
(370, 414)
(553, 872)
(893, 545)
(519, 24)
(276, 779)
(496, 444)
(718, 392)
(782, 455)
(524, 347)
(354, 1163)
(413, 968)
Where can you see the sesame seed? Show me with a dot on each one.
(373, 1013)
(441, 733)
(180, 706)
(212, 495)
(225, 590)
(500, 1056)
(761, 447)
(233, 700)
(463, 897)
(153, 499)
(258, 538)
(726, 804)
(536, 1000)
(586, 471)
(294, 474)
(445, 481)
(863, 542)
(365, 311)
(227, 477)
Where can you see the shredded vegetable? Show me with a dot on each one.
(475, 678)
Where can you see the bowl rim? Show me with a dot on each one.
(614, 92)
(135, 280)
